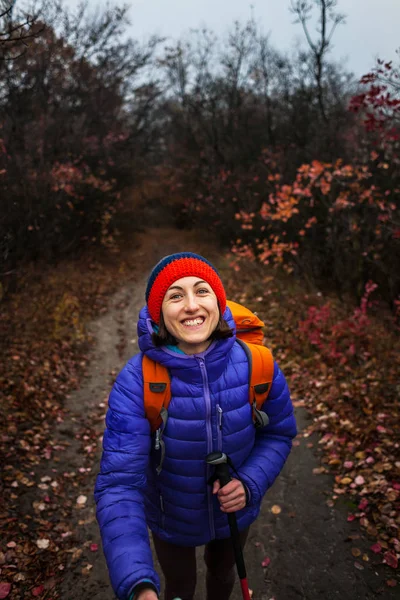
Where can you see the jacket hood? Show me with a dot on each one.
(187, 364)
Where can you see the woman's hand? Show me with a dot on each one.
(146, 595)
(232, 496)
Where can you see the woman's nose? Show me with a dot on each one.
(191, 303)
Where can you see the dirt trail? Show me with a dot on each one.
(307, 542)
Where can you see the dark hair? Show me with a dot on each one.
(164, 338)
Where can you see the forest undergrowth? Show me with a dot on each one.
(342, 363)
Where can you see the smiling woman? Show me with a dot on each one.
(187, 330)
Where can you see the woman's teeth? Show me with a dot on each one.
(193, 322)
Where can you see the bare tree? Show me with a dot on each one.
(17, 27)
(328, 18)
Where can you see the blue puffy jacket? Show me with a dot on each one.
(209, 411)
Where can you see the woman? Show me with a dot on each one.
(186, 327)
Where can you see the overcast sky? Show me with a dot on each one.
(372, 26)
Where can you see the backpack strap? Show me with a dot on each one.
(261, 374)
(156, 392)
(157, 388)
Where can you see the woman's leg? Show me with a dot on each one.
(178, 563)
(221, 569)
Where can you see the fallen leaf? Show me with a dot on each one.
(43, 543)
(38, 591)
(346, 480)
(81, 500)
(356, 552)
(391, 582)
(266, 562)
(5, 589)
(359, 566)
(85, 570)
(77, 552)
(319, 470)
(94, 547)
(390, 559)
(376, 548)
(276, 509)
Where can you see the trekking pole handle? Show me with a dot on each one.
(221, 463)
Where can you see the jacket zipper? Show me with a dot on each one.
(219, 427)
(209, 442)
(162, 511)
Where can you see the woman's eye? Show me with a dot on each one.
(203, 291)
(175, 296)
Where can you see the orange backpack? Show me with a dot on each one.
(157, 389)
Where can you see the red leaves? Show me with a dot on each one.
(351, 518)
(38, 591)
(363, 504)
(346, 340)
(380, 102)
(390, 559)
(5, 589)
(266, 562)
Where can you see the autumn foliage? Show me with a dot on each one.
(68, 147)
(379, 102)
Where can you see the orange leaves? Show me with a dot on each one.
(69, 178)
(317, 168)
(331, 213)
(265, 210)
(310, 222)
(284, 204)
(245, 218)
(342, 201)
(274, 177)
(275, 251)
(325, 186)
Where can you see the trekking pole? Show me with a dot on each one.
(221, 463)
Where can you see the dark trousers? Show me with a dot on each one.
(178, 563)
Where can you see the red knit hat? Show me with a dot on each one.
(173, 267)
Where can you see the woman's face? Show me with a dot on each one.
(190, 311)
